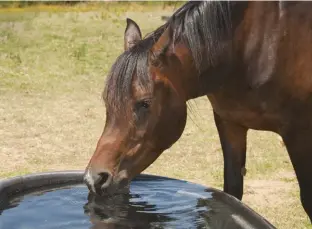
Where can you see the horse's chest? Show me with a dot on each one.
(251, 112)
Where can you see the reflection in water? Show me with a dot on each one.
(224, 216)
(220, 215)
(120, 212)
(158, 203)
(165, 205)
(127, 211)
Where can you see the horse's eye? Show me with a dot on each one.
(145, 104)
(142, 109)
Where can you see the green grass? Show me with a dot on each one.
(53, 63)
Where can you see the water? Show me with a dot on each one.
(157, 203)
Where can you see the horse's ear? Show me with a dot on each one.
(159, 51)
(132, 34)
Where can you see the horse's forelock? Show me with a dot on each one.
(131, 63)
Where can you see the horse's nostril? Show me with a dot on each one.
(98, 182)
(105, 179)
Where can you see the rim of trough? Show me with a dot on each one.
(24, 184)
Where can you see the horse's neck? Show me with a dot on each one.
(257, 31)
(256, 43)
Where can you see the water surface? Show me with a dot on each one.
(151, 203)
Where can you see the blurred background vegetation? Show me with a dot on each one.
(28, 4)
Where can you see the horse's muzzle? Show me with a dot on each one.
(103, 183)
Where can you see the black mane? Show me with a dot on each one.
(203, 26)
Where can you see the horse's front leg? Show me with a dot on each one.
(299, 146)
(233, 139)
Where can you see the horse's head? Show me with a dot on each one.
(145, 115)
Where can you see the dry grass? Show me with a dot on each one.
(52, 69)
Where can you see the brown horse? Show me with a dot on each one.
(252, 59)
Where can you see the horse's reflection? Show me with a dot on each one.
(119, 212)
(129, 211)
